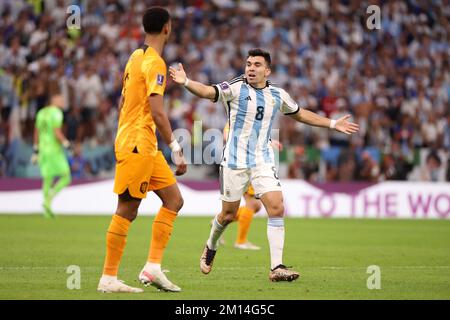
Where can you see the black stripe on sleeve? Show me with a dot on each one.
(236, 80)
(291, 113)
(217, 93)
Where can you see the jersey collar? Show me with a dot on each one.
(267, 84)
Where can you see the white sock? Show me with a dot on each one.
(216, 231)
(152, 266)
(275, 234)
(106, 277)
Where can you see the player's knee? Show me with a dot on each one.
(255, 206)
(129, 215)
(175, 204)
(276, 210)
(128, 211)
(227, 219)
(178, 203)
(228, 216)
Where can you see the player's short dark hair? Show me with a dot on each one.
(257, 52)
(154, 19)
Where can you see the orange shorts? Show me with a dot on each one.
(250, 191)
(140, 174)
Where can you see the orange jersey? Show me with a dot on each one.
(145, 74)
(226, 130)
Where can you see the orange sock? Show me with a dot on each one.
(245, 219)
(161, 230)
(116, 238)
(236, 217)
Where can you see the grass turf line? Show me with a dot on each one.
(332, 256)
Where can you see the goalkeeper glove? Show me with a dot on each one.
(68, 146)
(35, 155)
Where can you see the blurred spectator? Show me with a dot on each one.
(211, 114)
(74, 128)
(394, 168)
(79, 166)
(296, 166)
(347, 166)
(179, 111)
(431, 170)
(368, 169)
(90, 90)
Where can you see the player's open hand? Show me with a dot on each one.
(34, 159)
(35, 155)
(343, 125)
(178, 75)
(180, 162)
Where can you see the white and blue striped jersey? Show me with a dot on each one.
(251, 113)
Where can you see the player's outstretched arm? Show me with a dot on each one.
(197, 88)
(342, 124)
(164, 128)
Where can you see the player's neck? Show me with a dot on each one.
(259, 85)
(156, 42)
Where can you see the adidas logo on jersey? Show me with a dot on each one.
(248, 98)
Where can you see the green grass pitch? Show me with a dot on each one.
(332, 256)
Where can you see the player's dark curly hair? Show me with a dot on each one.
(257, 52)
(154, 19)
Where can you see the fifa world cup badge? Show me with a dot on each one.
(160, 79)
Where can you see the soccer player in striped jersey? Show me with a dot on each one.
(252, 102)
(245, 214)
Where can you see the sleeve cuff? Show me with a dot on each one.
(291, 113)
(216, 97)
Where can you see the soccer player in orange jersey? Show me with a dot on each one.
(140, 166)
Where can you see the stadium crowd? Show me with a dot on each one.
(395, 80)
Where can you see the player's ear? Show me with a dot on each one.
(166, 28)
(267, 72)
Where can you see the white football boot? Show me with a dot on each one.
(246, 246)
(157, 279)
(113, 285)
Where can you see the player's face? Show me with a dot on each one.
(58, 101)
(257, 71)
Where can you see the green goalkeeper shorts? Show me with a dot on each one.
(54, 164)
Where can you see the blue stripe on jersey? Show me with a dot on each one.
(256, 128)
(238, 125)
(277, 97)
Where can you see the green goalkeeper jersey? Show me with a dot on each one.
(47, 120)
(52, 159)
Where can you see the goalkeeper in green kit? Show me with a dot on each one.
(48, 151)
